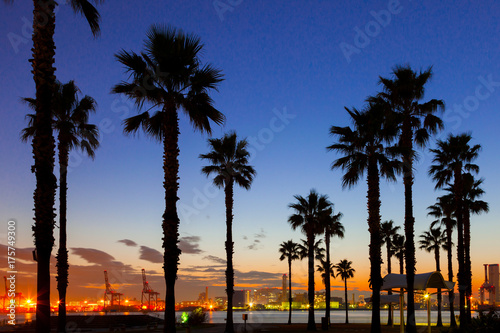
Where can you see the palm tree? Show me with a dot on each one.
(43, 141)
(70, 121)
(323, 268)
(168, 75)
(433, 240)
(452, 159)
(289, 250)
(388, 231)
(332, 228)
(472, 191)
(228, 159)
(363, 149)
(345, 271)
(307, 216)
(398, 248)
(443, 211)
(404, 93)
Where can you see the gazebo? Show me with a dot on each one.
(397, 283)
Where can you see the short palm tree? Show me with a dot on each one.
(289, 250)
(332, 228)
(388, 230)
(70, 121)
(452, 158)
(228, 160)
(363, 151)
(443, 211)
(168, 76)
(345, 271)
(323, 268)
(43, 142)
(307, 217)
(472, 191)
(433, 240)
(404, 93)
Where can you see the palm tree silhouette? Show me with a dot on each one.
(332, 228)
(443, 211)
(169, 76)
(388, 230)
(289, 250)
(404, 93)
(345, 271)
(398, 248)
(229, 163)
(307, 216)
(433, 240)
(44, 143)
(70, 121)
(453, 158)
(472, 191)
(363, 150)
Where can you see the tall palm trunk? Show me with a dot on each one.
(439, 298)
(228, 190)
(290, 290)
(170, 223)
(43, 151)
(458, 188)
(311, 324)
(373, 180)
(451, 293)
(327, 278)
(346, 302)
(62, 253)
(406, 138)
(389, 271)
(468, 268)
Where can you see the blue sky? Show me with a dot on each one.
(290, 68)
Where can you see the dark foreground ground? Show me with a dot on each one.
(139, 324)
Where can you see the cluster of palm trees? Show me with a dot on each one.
(43, 144)
(314, 215)
(168, 76)
(382, 142)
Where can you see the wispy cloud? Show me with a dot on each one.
(190, 244)
(150, 254)
(127, 242)
(256, 240)
(215, 259)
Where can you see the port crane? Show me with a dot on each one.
(148, 294)
(110, 294)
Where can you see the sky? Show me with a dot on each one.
(290, 68)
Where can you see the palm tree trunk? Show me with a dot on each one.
(311, 325)
(170, 223)
(438, 268)
(62, 253)
(468, 268)
(290, 290)
(451, 293)
(327, 278)
(406, 138)
(346, 302)
(389, 270)
(460, 243)
(229, 255)
(43, 151)
(374, 247)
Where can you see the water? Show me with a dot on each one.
(261, 317)
(300, 316)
